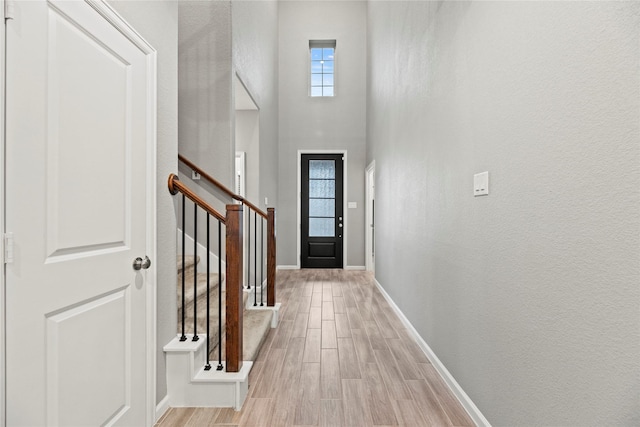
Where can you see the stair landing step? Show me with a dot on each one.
(257, 324)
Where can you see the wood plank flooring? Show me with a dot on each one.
(340, 357)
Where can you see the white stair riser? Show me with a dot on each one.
(189, 385)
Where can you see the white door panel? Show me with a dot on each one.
(76, 203)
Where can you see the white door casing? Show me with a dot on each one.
(369, 231)
(2, 293)
(80, 200)
(240, 174)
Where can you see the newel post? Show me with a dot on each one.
(234, 288)
(271, 257)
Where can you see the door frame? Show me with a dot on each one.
(345, 228)
(115, 19)
(3, 376)
(369, 175)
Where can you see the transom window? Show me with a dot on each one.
(322, 67)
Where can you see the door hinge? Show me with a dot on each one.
(8, 248)
(9, 9)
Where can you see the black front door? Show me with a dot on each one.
(321, 222)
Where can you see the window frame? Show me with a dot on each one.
(324, 44)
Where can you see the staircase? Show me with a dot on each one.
(220, 328)
(189, 383)
(256, 321)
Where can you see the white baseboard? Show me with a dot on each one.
(462, 397)
(295, 267)
(162, 407)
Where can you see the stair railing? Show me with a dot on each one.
(256, 235)
(232, 222)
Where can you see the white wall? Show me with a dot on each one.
(157, 22)
(247, 134)
(529, 295)
(322, 123)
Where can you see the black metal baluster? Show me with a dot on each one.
(219, 368)
(208, 365)
(261, 263)
(248, 249)
(255, 258)
(183, 337)
(195, 273)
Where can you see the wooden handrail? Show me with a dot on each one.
(175, 187)
(220, 186)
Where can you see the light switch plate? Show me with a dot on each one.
(352, 205)
(481, 184)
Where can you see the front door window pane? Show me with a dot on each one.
(322, 188)
(322, 169)
(322, 227)
(325, 208)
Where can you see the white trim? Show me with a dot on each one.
(115, 19)
(3, 376)
(162, 408)
(355, 267)
(369, 257)
(152, 237)
(241, 187)
(345, 223)
(459, 393)
(288, 267)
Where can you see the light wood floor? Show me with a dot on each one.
(339, 357)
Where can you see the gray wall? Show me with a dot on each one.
(529, 296)
(322, 123)
(255, 60)
(205, 85)
(218, 39)
(157, 22)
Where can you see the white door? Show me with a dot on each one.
(79, 125)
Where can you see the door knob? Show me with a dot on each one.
(140, 263)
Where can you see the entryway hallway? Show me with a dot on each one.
(339, 357)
